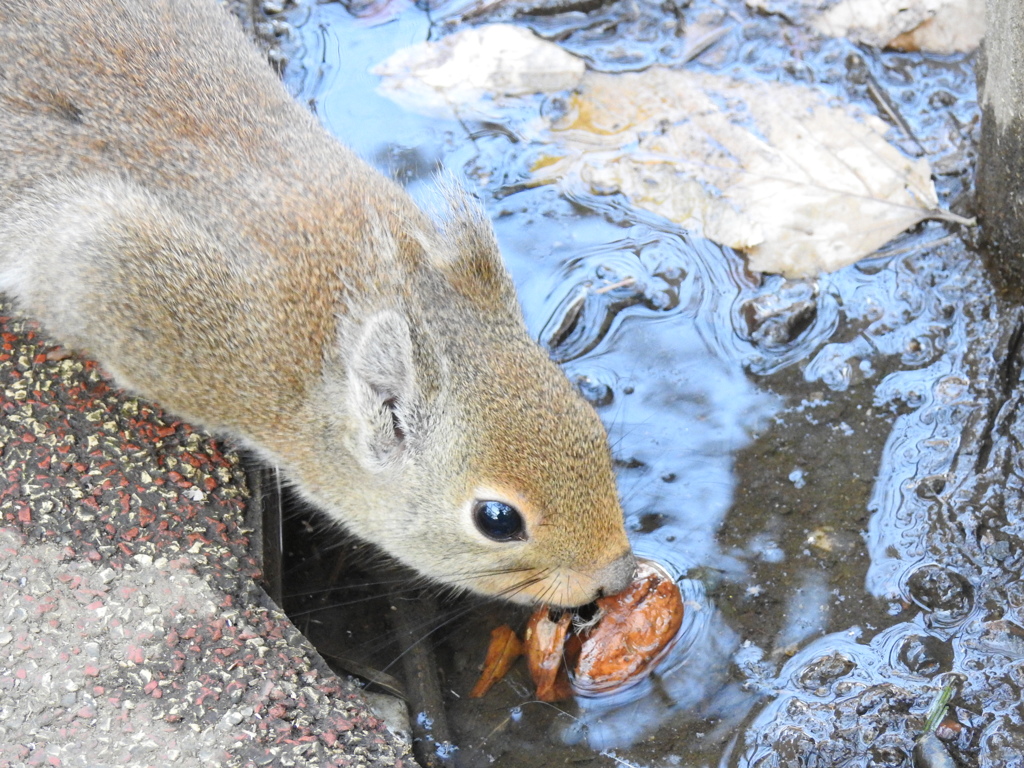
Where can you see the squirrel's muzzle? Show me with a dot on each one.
(617, 575)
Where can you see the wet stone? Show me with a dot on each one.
(944, 593)
(778, 318)
(1003, 636)
(884, 756)
(1003, 747)
(819, 675)
(929, 752)
(795, 745)
(1015, 595)
(925, 655)
(930, 487)
(650, 522)
(885, 699)
(597, 393)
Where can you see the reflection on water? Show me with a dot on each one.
(832, 466)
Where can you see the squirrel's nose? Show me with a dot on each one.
(617, 575)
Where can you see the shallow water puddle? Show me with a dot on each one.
(831, 466)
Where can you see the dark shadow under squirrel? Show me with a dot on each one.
(168, 209)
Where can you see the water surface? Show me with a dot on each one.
(831, 466)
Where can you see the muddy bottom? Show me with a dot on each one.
(831, 467)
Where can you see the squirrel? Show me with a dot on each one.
(168, 209)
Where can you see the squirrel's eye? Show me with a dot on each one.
(498, 521)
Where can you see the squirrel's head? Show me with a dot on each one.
(461, 449)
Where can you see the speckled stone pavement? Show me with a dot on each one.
(132, 631)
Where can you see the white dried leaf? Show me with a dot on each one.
(469, 66)
(937, 26)
(957, 27)
(802, 187)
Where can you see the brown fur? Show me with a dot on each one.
(167, 208)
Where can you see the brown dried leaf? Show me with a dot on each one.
(936, 26)
(636, 627)
(505, 647)
(545, 643)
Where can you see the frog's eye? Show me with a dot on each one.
(499, 521)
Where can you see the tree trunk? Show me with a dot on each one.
(1001, 154)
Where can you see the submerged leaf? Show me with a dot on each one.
(802, 187)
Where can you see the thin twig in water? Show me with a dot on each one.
(627, 281)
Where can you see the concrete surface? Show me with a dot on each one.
(132, 629)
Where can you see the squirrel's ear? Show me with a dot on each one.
(382, 390)
(471, 258)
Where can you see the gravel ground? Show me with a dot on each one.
(132, 631)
